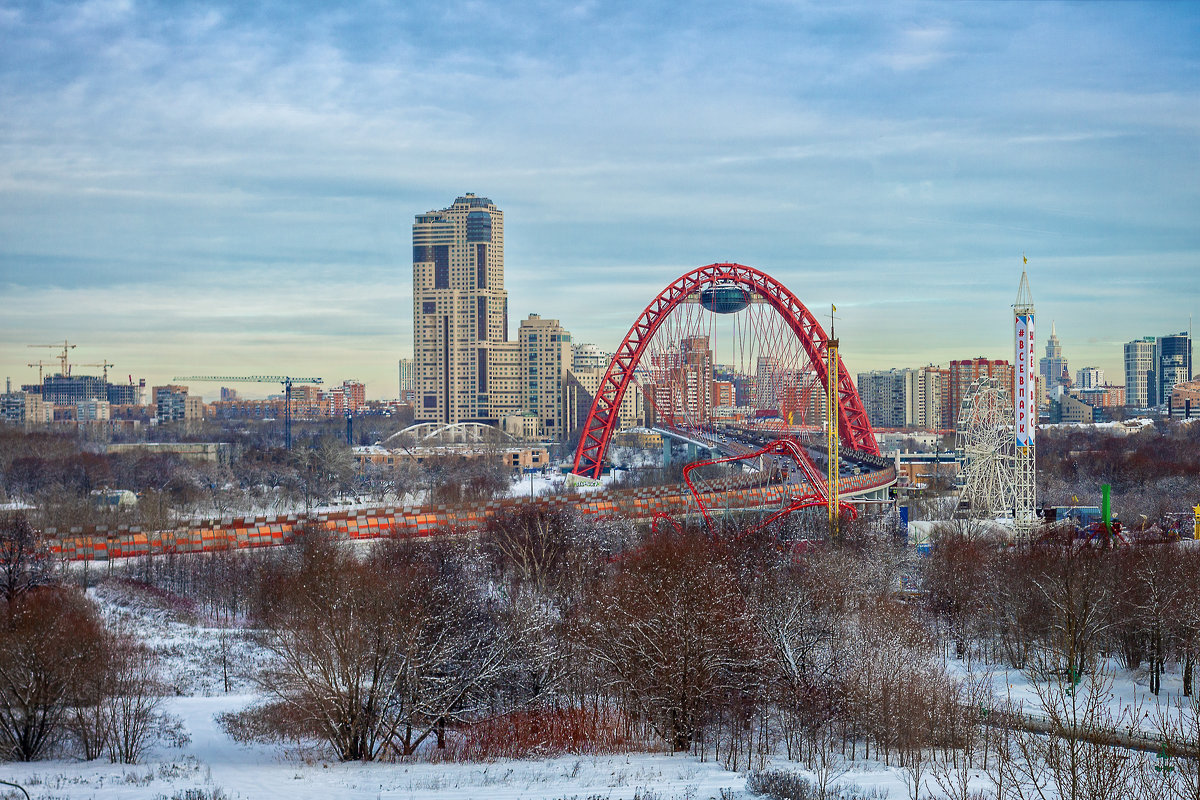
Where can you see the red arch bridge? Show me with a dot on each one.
(728, 359)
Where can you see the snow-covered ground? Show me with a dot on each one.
(210, 764)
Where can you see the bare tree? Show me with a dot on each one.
(131, 710)
(672, 633)
(1075, 757)
(49, 638)
(377, 655)
(24, 559)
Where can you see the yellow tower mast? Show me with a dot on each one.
(831, 424)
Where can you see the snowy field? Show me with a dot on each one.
(209, 764)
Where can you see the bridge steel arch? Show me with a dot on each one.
(853, 424)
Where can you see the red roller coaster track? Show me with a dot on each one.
(853, 425)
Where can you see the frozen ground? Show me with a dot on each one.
(1129, 693)
(212, 765)
(212, 761)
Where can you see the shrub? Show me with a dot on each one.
(783, 784)
(541, 733)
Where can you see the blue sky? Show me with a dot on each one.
(229, 188)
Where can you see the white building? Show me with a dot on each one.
(1089, 378)
(1140, 380)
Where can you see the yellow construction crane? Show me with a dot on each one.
(104, 364)
(284, 380)
(39, 365)
(832, 406)
(65, 346)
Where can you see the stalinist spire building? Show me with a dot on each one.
(1053, 366)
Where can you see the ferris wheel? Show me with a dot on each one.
(985, 448)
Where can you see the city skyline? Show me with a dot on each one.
(205, 189)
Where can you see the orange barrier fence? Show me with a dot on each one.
(101, 543)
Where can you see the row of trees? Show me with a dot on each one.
(730, 649)
(1059, 606)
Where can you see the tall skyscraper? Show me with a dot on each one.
(1053, 366)
(1141, 390)
(1173, 354)
(460, 311)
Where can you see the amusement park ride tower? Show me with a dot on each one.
(1024, 413)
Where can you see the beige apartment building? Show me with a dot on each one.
(465, 368)
(460, 312)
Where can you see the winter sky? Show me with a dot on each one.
(229, 188)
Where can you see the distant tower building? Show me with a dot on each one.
(1140, 373)
(460, 311)
(407, 385)
(1089, 378)
(1053, 365)
(1173, 354)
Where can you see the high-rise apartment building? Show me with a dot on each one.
(1141, 389)
(169, 402)
(26, 408)
(93, 410)
(885, 396)
(1173, 354)
(965, 372)
(1089, 378)
(932, 402)
(696, 378)
(460, 312)
(347, 398)
(905, 398)
(407, 385)
(546, 356)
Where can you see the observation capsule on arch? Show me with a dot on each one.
(725, 298)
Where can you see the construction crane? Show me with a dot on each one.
(65, 346)
(39, 365)
(104, 364)
(284, 380)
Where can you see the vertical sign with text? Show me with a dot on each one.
(1025, 399)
